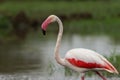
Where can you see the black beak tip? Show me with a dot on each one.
(44, 32)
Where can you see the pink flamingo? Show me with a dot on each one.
(79, 59)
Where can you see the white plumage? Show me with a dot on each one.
(84, 55)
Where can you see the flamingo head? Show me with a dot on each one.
(50, 19)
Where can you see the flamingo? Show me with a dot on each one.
(79, 59)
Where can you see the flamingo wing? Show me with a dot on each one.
(84, 58)
(83, 64)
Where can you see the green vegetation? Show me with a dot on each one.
(62, 0)
(114, 59)
(108, 27)
(104, 16)
(39, 9)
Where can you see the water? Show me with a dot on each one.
(33, 59)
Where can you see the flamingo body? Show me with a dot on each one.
(79, 59)
(82, 60)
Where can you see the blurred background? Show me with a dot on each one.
(25, 54)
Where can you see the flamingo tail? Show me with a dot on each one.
(108, 66)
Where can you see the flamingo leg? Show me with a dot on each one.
(98, 73)
(83, 76)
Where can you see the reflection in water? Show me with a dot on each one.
(34, 56)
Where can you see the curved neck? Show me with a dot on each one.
(57, 47)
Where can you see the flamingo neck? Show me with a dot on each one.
(57, 47)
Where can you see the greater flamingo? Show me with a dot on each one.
(79, 59)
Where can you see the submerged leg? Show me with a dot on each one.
(83, 76)
(98, 73)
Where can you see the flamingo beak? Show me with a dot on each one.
(45, 25)
(44, 32)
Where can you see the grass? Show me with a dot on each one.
(39, 9)
(107, 26)
(106, 15)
